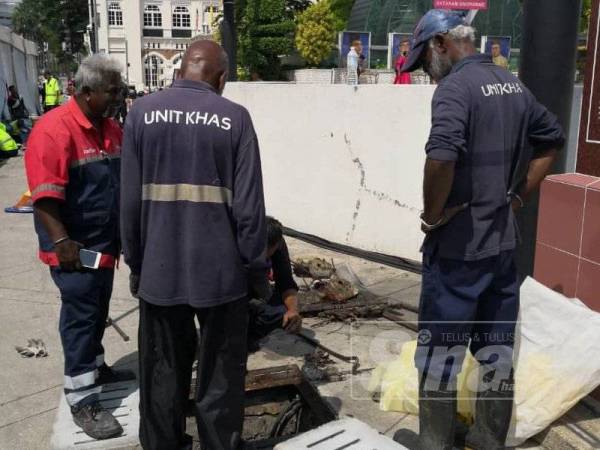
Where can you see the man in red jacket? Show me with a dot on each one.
(72, 164)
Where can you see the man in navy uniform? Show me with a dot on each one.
(491, 145)
(193, 232)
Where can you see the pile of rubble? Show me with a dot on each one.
(334, 295)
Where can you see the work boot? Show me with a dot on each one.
(108, 375)
(96, 422)
(493, 412)
(437, 422)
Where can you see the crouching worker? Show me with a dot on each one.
(72, 165)
(8, 146)
(280, 310)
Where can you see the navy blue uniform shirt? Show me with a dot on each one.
(193, 215)
(487, 121)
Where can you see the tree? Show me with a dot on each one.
(586, 13)
(297, 6)
(266, 32)
(341, 10)
(315, 37)
(61, 24)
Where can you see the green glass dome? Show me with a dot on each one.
(380, 17)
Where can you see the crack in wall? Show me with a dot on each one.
(381, 196)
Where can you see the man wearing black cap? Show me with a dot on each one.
(491, 144)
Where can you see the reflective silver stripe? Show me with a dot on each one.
(75, 397)
(81, 381)
(92, 159)
(186, 193)
(48, 187)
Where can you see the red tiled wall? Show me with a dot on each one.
(567, 257)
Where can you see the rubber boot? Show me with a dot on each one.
(493, 412)
(437, 422)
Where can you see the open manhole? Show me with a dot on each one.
(280, 404)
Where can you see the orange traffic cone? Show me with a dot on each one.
(24, 205)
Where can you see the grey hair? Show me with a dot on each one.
(96, 71)
(460, 33)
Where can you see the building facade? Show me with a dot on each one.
(149, 37)
(6, 9)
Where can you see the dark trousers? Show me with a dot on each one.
(49, 107)
(264, 318)
(467, 305)
(168, 346)
(85, 298)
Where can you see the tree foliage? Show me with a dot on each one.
(315, 37)
(297, 6)
(266, 32)
(586, 13)
(341, 10)
(61, 24)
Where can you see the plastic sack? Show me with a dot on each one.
(398, 384)
(557, 363)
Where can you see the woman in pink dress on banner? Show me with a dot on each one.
(402, 78)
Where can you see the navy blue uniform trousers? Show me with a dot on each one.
(265, 317)
(467, 305)
(85, 298)
(168, 346)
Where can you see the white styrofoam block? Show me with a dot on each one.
(121, 399)
(347, 434)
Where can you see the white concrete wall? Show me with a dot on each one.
(343, 163)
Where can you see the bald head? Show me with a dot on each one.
(205, 61)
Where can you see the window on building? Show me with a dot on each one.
(152, 16)
(152, 70)
(115, 15)
(181, 17)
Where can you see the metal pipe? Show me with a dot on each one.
(229, 37)
(547, 68)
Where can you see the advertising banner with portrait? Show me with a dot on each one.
(498, 47)
(345, 41)
(394, 41)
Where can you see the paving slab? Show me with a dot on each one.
(394, 285)
(122, 400)
(406, 298)
(341, 434)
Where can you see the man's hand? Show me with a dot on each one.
(446, 217)
(516, 205)
(292, 321)
(67, 253)
(134, 284)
